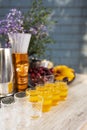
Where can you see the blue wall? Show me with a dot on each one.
(70, 32)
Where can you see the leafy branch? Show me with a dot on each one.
(36, 22)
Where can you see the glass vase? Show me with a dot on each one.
(20, 59)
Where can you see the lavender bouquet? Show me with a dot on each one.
(13, 23)
(36, 21)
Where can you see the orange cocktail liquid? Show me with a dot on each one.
(21, 66)
(47, 99)
(63, 95)
(56, 98)
(54, 92)
(33, 95)
(63, 89)
(46, 105)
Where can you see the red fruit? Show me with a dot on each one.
(32, 75)
(38, 75)
(30, 70)
(51, 70)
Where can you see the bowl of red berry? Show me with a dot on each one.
(40, 75)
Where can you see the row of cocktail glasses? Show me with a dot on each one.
(27, 106)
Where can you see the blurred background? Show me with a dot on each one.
(70, 32)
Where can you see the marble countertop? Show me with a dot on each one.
(69, 114)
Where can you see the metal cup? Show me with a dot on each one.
(6, 72)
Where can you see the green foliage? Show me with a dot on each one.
(37, 22)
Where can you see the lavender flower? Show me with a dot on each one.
(43, 31)
(33, 30)
(13, 22)
(39, 31)
(3, 30)
(43, 28)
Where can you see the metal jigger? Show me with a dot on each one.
(6, 72)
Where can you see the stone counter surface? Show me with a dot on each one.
(69, 114)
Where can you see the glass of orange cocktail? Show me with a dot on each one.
(54, 92)
(47, 97)
(35, 102)
(63, 88)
